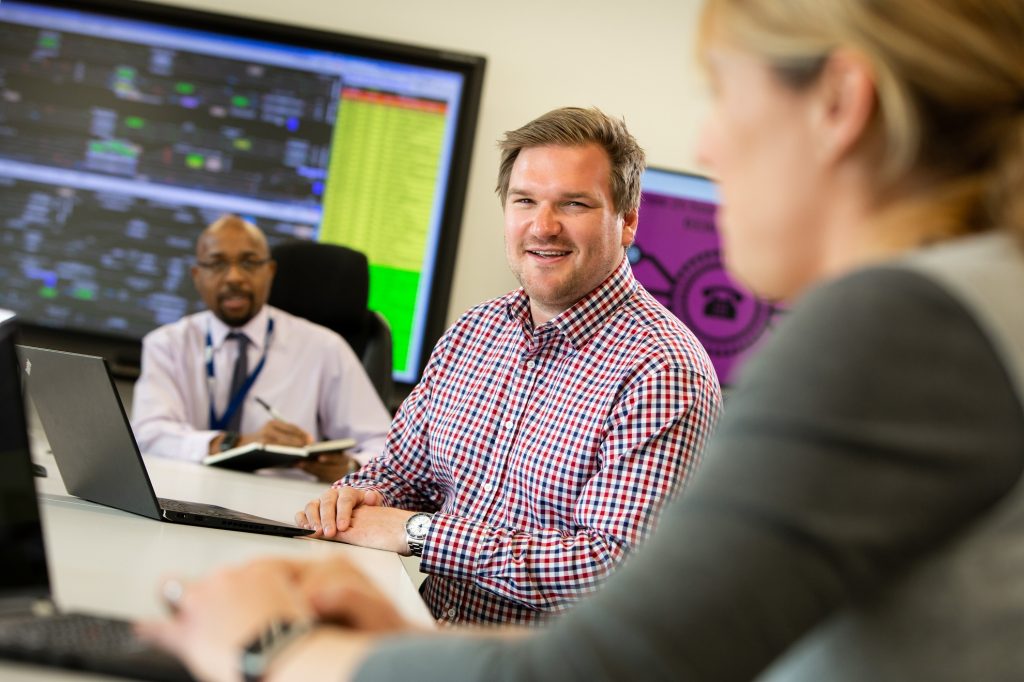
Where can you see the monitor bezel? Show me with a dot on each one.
(683, 173)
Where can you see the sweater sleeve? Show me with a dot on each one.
(876, 424)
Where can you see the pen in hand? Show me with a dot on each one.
(273, 413)
(285, 433)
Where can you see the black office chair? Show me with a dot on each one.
(330, 285)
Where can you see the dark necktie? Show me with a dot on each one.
(238, 378)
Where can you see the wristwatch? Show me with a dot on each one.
(416, 529)
(229, 440)
(258, 654)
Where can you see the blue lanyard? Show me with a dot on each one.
(236, 400)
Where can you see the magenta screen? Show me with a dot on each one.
(676, 256)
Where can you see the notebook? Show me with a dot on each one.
(95, 449)
(255, 456)
(32, 628)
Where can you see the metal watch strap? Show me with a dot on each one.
(257, 656)
(416, 542)
(415, 547)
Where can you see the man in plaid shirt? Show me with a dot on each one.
(551, 424)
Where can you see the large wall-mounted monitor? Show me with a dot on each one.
(126, 127)
(677, 257)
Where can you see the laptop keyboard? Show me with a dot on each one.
(84, 642)
(69, 633)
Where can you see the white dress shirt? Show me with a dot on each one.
(311, 376)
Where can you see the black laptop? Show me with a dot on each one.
(32, 628)
(95, 449)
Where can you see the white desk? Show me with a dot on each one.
(108, 561)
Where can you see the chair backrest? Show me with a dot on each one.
(330, 285)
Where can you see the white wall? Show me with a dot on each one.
(631, 58)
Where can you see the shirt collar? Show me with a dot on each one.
(255, 329)
(587, 315)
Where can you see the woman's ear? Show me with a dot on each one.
(846, 101)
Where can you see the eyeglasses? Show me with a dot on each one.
(220, 266)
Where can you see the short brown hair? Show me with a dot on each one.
(575, 127)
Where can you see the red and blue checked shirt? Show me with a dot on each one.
(546, 452)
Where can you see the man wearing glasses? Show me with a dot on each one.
(204, 376)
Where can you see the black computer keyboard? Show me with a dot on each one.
(70, 633)
(90, 643)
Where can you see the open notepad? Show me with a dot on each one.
(254, 456)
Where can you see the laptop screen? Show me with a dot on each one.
(23, 571)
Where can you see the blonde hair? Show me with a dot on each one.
(949, 81)
(575, 127)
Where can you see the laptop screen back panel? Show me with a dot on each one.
(84, 422)
(24, 574)
(96, 450)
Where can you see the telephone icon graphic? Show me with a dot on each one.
(720, 301)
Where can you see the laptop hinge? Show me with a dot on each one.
(26, 606)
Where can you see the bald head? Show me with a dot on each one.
(233, 270)
(228, 224)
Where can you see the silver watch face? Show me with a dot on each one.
(417, 526)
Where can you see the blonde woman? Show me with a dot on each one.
(860, 514)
